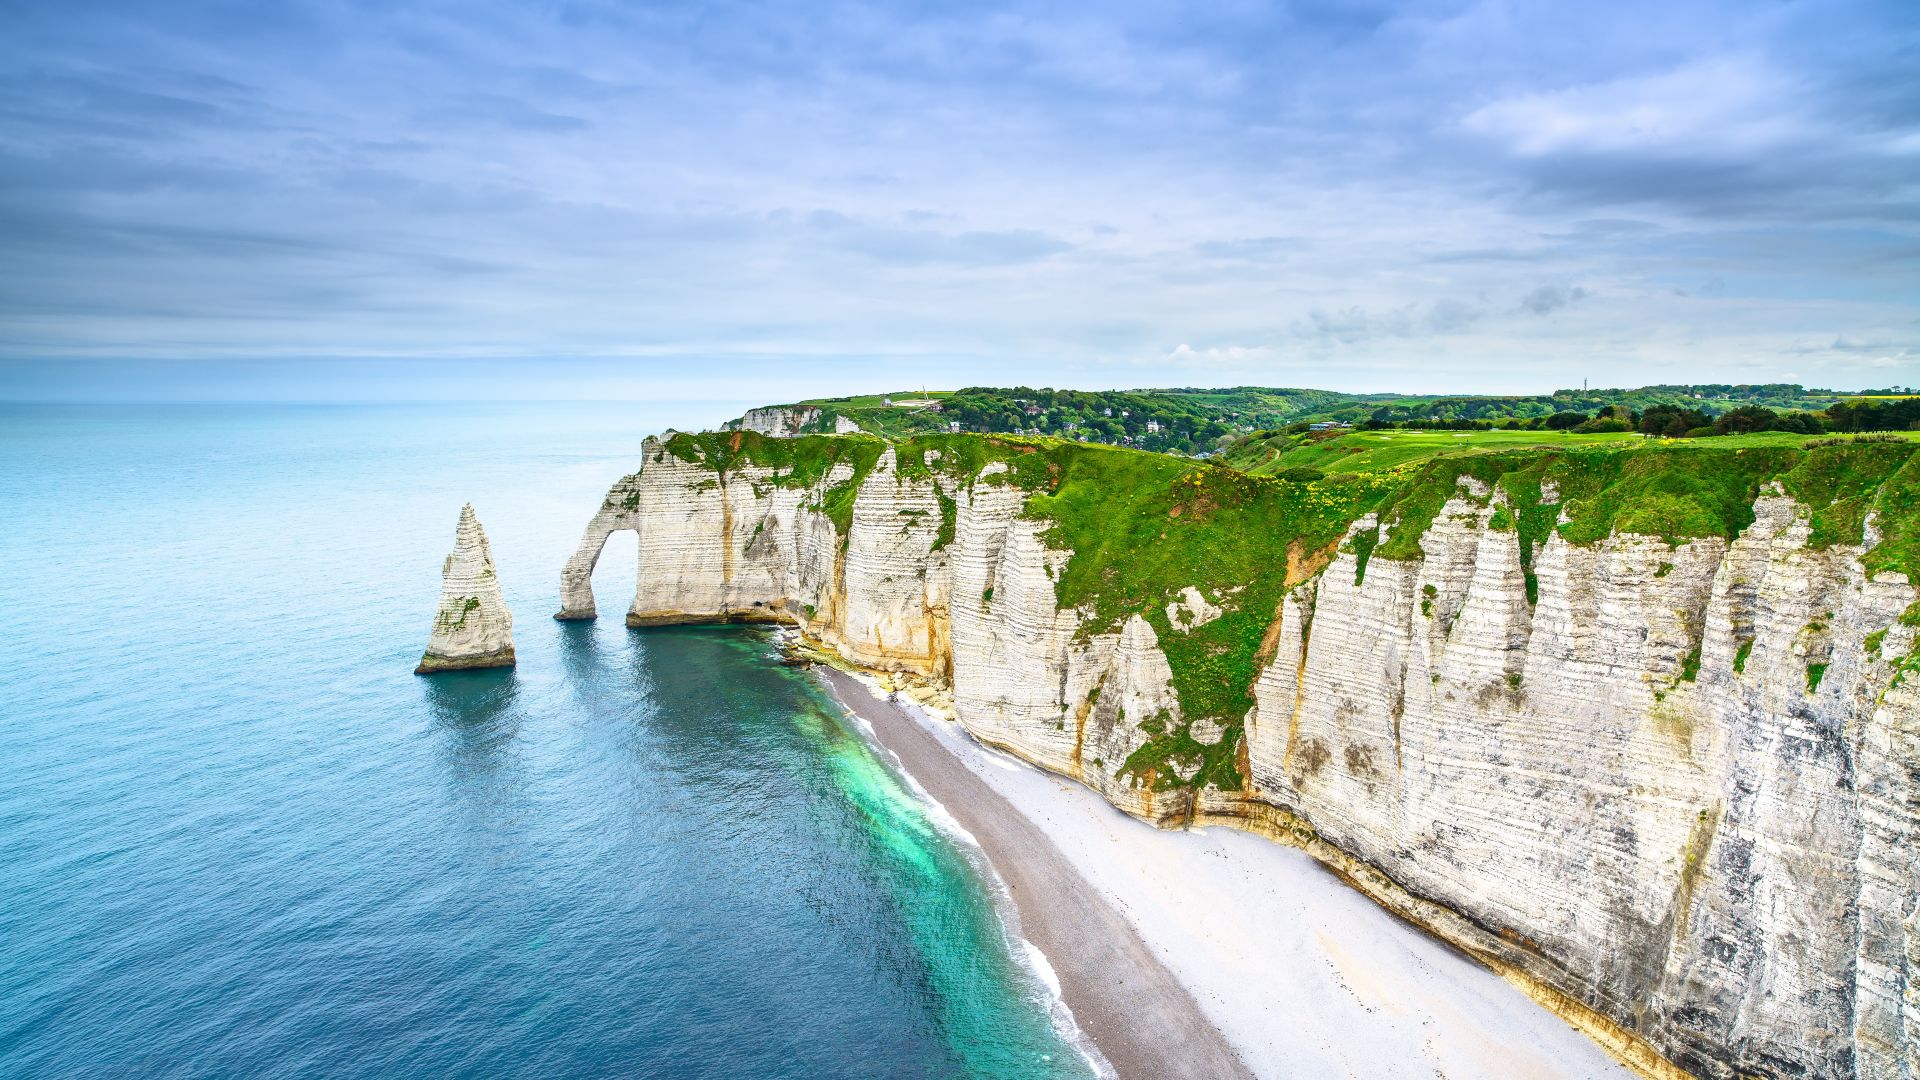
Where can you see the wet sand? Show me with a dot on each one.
(1124, 999)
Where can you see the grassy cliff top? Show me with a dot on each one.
(1102, 497)
(1142, 526)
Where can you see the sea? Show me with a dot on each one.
(240, 838)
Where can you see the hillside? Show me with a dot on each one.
(1193, 420)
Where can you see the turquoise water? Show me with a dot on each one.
(239, 838)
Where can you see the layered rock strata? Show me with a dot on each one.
(791, 421)
(1672, 790)
(779, 421)
(472, 628)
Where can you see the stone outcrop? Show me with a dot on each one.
(1672, 790)
(473, 628)
(791, 421)
(779, 421)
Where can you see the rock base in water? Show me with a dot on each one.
(431, 663)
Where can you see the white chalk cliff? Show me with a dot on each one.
(789, 421)
(779, 421)
(472, 628)
(1675, 796)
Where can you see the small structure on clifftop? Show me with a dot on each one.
(473, 628)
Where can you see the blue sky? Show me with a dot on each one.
(764, 201)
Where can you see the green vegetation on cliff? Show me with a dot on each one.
(796, 463)
(1141, 527)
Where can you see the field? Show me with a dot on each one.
(876, 401)
(1374, 451)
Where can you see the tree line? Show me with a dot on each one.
(1678, 421)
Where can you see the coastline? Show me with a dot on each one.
(1135, 1011)
(1291, 971)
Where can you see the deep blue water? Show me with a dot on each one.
(239, 838)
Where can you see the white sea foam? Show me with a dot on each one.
(1048, 992)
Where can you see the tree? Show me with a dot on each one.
(1746, 419)
(1672, 421)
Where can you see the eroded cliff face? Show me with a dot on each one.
(779, 421)
(1671, 788)
(1641, 790)
(789, 421)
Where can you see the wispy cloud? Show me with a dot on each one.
(1716, 106)
(1547, 299)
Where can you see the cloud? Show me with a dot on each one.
(1221, 355)
(500, 111)
(1251, 249)
(1711, 106)
(906, 246)
(1355, 325)
(1547, 299)
(1739, 134)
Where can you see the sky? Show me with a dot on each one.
(399, 200)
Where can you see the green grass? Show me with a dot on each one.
(468, 606)
(1144, 526)
(1374, 451)
(874, 401)
(1897, 504)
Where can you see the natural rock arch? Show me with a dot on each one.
(617, 514)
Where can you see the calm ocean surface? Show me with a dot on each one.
(239, 838)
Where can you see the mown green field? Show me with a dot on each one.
(877, 401)
(1374, 451)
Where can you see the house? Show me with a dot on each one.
(1153, 426)
(953, 426)
(1033, 410)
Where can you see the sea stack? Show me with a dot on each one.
(473, 628)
